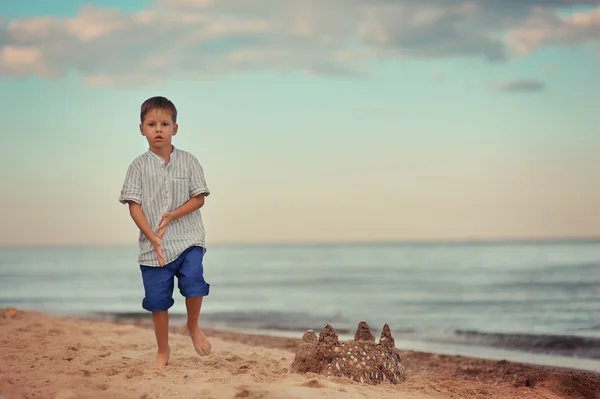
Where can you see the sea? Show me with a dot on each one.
(532, 302)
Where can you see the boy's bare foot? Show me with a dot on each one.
(162, 359)
(201, 344)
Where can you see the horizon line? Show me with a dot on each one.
(433, 241)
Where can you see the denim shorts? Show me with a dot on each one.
(159, 282)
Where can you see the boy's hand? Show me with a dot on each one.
(162, 227)
(159, 255)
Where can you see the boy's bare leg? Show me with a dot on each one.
(161, 330)
(201, 344)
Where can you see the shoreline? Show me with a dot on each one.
(411, 344)
(67, 357)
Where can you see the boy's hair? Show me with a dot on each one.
(158, 103)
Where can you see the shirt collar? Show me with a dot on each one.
(158, 158)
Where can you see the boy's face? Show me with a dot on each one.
(158, 128)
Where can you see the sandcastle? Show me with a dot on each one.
(360, 360)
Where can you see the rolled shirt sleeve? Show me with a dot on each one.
(132, 186)
(197, 179)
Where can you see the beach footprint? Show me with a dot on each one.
(252, 393)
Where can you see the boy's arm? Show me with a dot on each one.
(131, 194)
(191, 205)
(135, 210)
(132, 186)
(197, 180)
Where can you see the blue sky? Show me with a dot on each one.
(392, 120)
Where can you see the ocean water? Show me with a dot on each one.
(526, 301)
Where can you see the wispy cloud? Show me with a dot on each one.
(545, 27)
(336, 37)
(521, 86)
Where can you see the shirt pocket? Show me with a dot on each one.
(181, 191)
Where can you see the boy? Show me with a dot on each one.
(165, 188)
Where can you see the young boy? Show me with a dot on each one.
(165, 188)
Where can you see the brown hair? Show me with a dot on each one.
(158, 103)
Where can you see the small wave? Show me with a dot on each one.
(250, 319)
(594, 327)
(120, 315)
(577, 267)
(260, 320)
(569, 345)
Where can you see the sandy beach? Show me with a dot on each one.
(45, 356)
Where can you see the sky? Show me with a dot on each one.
(314, 121)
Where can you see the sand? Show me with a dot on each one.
(43, 356)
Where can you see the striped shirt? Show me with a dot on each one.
(159, 188)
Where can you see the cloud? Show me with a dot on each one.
(521, 86)
(544, 27)
(206, 38)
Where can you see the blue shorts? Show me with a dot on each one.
(159, 282)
